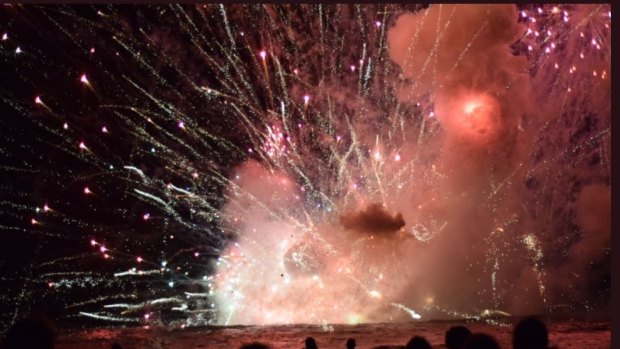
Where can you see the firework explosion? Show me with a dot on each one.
(258, 164)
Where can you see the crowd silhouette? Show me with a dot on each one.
(456, 337)
(528, 333)
(417, 342)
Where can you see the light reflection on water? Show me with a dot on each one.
(563, 334)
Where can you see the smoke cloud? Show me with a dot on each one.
(593, 209)
(373, 219)
(472, 215)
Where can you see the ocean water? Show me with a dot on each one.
(564, 334)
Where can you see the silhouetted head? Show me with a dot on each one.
(351, 343)
(456, 337)
(116, 346)
(480, 341)
(530, 333)
(29, 334)
(311, 343)
(418, 342)
(255, 345)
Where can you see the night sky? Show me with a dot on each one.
(259, 164)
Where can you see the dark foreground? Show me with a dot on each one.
(563, 334)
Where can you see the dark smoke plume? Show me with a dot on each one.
(373, 219)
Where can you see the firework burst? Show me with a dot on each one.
(305, 163)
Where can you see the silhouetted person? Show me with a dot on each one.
(311, 343)
(530, 333)
(29, 334)
(456, 337)
(480, 341)
(116, 346)
(418, 342)
(351, 343)
(255, 345)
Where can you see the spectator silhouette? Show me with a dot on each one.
(29, 334)
(351, 343)
(480, 341)
(456, 337)
(116, 346)
(418, 342)
(255, 345)
(311, 343)
(530, 333)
